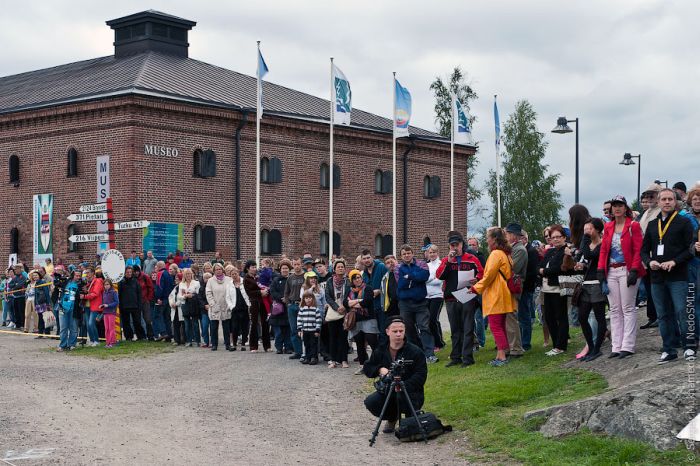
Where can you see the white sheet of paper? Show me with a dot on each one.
(463, 278)
(463, 295)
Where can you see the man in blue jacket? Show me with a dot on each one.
(374, 271)
(163, 286)
(413, 304)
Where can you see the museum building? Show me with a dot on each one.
(180, 138)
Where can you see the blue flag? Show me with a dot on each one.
(262, 71)
(497, 121)
(462, 130)
(402, 110)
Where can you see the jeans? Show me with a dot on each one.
(415, 314)
(434, 308)
(283, 339)
(69, 329)
(461, 317)
(192, 330)
(157, 319)
(293, 312)
(73, 336)
(92, 327)
(526, 307)
(58, 321)
(8, 312)
(670, 299)
(147, 319)
(168, 330)
(204, 325)
(479, 325)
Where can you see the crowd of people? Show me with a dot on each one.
(595, 270)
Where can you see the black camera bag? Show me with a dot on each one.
(409, 431)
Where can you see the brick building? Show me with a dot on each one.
(180, 135)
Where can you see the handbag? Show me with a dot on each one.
(277, 308)
(567, 283)
(349, 320)
(410, 431)
(49, 320)
(332, 315)
(515, 282)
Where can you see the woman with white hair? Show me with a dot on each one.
(217, 289)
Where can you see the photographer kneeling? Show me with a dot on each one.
(413, 374)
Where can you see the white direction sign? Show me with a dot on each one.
(101, 207)
(88, 217)
(96, 237)
(113, 265)
(131, 225)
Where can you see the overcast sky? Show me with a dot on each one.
(628, 69)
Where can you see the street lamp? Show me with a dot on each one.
(659, 182)
(627, 159)
(563, 128)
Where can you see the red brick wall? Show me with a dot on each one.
(163, 189)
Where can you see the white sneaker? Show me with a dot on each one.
(94, 343)
(689, 355)
(12, 325)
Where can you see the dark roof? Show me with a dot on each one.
(169, 76)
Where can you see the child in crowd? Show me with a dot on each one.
(309, 327)
(265, 275)
(110, 301)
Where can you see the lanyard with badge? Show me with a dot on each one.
(660, 247)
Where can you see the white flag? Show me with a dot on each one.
(461, 129)
(342, 96)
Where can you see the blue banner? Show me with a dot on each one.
(402, 110)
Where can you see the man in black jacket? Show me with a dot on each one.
(130, 305)
(414, 376)
(666, 253)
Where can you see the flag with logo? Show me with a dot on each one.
(262, 71)
(342, 96)
(402, 110)
(462, 132)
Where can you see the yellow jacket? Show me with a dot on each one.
(494, 288)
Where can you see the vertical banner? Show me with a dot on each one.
(102, 195)
(402, 110)
(43, 226)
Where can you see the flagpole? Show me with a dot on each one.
(257, 162)
(393, 158)
(452, 166)
(498, 168)
(330, 171)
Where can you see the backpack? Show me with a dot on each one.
(515, 282)
(409, 431)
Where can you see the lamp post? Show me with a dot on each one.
(627, 159)
(563, 128)
(664, 182)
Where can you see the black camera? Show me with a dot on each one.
(397, 369)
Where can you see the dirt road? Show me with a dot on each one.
(192, 406)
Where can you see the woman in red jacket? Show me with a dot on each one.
(620, 264)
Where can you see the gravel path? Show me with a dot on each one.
(190, 407)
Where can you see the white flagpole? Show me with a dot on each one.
(393, 158)
(452, 166)
(498, 171)
(257, 162)
(330, 171)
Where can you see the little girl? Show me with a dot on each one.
(110, 301)
(265, 275)
(309, 327)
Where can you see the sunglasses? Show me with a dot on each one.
(556, 237)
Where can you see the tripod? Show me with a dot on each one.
(397, 386)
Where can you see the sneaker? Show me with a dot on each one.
(497, 362)
(432, 359)
(665, 358)
(12, 325)
(689, 355)
(94, 344)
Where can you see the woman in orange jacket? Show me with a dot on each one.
(497, 300)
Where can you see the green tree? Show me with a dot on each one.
(442, 88)
(528, 193)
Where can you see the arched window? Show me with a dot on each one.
(14, 241)
(275, 242)
(378, 181)
(208, 239)
(324, 243)
(204, 163)
(14, 169)
(426, 186)
(197, 238)
(72, 163)
(383, 181)
(265, 170)
(325, 175)
(72, 247)
(378, 245)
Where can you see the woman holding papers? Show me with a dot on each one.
(497, 300)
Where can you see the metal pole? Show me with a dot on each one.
(639, 180)
(330, 171)
(257, 164)
(452, 165)
(576, 120)
(393, 158)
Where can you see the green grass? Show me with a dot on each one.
(488, 404)
(125, 349)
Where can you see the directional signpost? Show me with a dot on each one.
(113, 261)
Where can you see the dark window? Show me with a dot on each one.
(72, 247)
(383, 181)
(160, 30)
(208, 239)
(204, 163)
(431, 187)
(138, 30)
(123, 33)
(270, 170)
(197, 238)
(378, 245)
(325, 175)
(14, 169)
(324, 243)
(14, 241)
(178, 33)
(72, 162)
(387, 245)
(271, 242)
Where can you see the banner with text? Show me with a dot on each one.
(43, 228)
(102, 195)
(163, 238)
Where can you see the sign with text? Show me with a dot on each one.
(101, 207)
(162, 238)
(88, 238)
(113, 265)
(102, 194)
(131, 225)
(162, 151)
(43, 226)
(88, 217)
